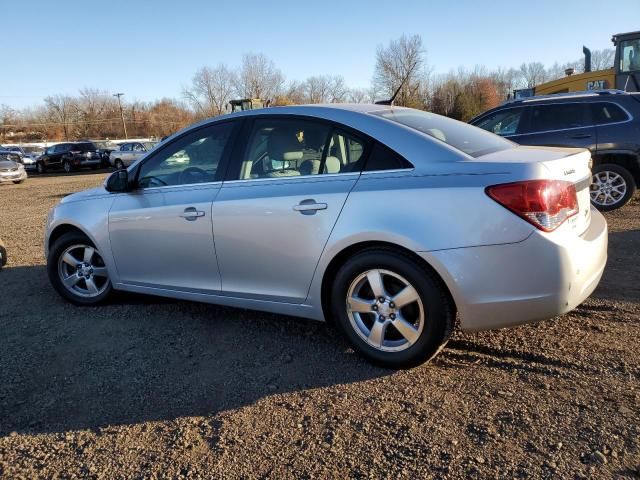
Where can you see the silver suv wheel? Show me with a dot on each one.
(607, 188)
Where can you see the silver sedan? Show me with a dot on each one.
(387, 221)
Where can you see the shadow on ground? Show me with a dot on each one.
(144, 358)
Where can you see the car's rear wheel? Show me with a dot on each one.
(68, 168)
(119, 165)
(612, 186)
(392, 310)
(40, 168)
(77, 271)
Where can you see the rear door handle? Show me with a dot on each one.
(191, 214)
(581, 135)
(309, 207)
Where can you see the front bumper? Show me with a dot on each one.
(543, 276)
(18, 176)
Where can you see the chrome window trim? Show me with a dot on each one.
(595, 125)
(147, 189)
(390, 170)
(293, 177)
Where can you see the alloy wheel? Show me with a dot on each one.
(385, 310)
(607, 188)
(82, 271)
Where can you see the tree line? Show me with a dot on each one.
(461, 94)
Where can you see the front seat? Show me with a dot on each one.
(283, 146)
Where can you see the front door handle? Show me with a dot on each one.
(309, 207)
(191, 214)
(581, 135)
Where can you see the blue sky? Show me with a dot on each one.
(150, 50)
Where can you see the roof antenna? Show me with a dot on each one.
(406, 77)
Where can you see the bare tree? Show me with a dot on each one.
(325, 89)
(211, 89)
(60, 109)
(533, 73)
(402, 58)
(258, 77)
(358, 95)
(602, 59)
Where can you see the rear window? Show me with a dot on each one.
(606, 112)
(466, 138)
(84, 147)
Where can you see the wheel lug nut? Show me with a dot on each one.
(381, 318)
(381, 299)
(392, 316)
(374, 307)
(392, 305)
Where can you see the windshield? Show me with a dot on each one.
(466, 138)
(33, 149)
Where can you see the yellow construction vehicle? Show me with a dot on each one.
(246, 104)
(625, 74)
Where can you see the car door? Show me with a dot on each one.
(59, 150)
(286, 186)
(161, 232)
(567, 124)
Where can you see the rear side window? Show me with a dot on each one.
(606, 112)
(503, 122)
(383, 158)
(466, 138)
(84, 147)
(559, 116)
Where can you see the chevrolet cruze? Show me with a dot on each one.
(388, 221)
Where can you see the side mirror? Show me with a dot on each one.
(118, 181)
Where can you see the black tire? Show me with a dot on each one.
(439, 313)
(56, 251)
(597, 199)
(67, 167)
(118, 164)
(40, 168)
(3, 255)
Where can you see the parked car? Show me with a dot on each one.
(385, 220)
(69, 157)
(128, 153)
(29, 155)
(11, 171)
(105, 147)
(607, 122)
(3, 254)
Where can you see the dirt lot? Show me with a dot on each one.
(146, 387)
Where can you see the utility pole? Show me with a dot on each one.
(124, 126)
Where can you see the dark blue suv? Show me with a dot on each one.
(607, 122)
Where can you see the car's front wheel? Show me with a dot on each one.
(612, 186)
(68, 168)
(393, 311)
(40, 168)
(77, 271)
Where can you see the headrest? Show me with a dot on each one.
(332, 165)
(292, 155)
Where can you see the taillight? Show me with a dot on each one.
(543, 203)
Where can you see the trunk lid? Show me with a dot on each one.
(567, 164)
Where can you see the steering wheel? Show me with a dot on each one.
(191, 174)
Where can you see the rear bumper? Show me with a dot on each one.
(541, 277)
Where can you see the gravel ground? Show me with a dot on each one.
(146, 387)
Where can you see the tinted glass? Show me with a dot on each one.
(630, 56)
(191, 159)
(126, 147)
(344, 154)
(503, 122)
(608, 113)
(84, 147)
(285, 148)
(466, 138)
(559, 116)
(383, 158)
